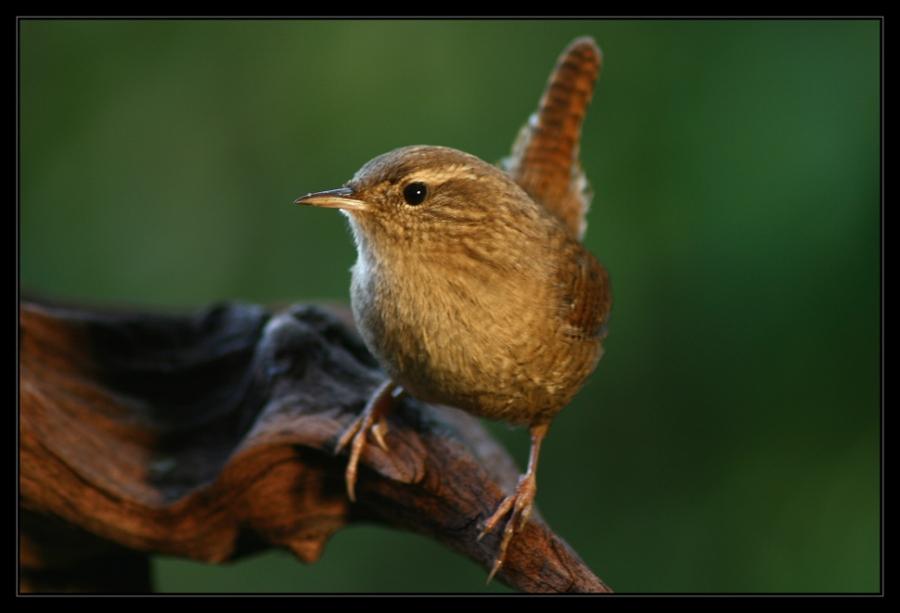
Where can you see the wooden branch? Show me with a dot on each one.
(210, 437)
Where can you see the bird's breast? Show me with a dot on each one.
(494, 347)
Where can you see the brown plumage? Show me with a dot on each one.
(544, 159)
(471, 287)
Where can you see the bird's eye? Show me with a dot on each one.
(415, 193)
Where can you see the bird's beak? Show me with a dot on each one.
(340, 198)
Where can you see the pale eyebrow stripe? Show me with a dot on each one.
(439, 175)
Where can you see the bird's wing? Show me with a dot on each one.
(585, 296)
(544, 159)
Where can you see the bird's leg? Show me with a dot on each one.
(520, 502)
(372, 418)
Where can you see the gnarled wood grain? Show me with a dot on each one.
(210, 436)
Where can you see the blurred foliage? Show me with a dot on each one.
(728, 442)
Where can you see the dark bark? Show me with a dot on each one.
(210, 437)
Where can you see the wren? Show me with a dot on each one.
(472, 287)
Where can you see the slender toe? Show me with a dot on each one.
(371, 420)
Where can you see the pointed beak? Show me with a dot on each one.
(340, 198)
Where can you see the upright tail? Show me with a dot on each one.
(544, 159)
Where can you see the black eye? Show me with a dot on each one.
(415, 193)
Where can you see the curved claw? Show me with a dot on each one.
(372, 419)
(379, 429)
(359, 441)
(501, 512)
(521, 503)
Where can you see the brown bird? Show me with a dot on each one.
(471, 287)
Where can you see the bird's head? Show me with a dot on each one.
(426, 198)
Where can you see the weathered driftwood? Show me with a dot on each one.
(210, 437)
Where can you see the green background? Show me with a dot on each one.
(729, 440)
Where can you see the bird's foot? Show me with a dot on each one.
(373, 420)
(520, 504)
